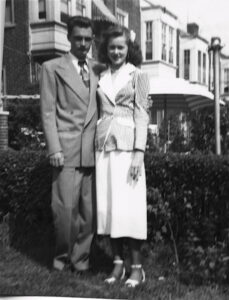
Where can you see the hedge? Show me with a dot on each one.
(25, 129)
(25, 187)
(188, 204)
(187, 198)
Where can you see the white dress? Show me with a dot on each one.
(121, 203)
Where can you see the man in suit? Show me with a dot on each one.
(69, 115)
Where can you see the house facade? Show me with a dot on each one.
(224, 77)
(36, 31)
(170, 53)
(127, 13)
(16, 61)
(193, 56)
(158, 40)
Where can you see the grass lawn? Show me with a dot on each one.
(27, 272)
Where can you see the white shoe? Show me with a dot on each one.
(112, 279)
(132, 283)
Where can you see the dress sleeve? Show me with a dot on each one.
(141, 110)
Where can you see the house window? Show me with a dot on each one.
(122, 17)
(199, 66)
(64, 10)
(226, 80)
(187, 64)
(9, 12)
(35, 71)
(171, 45)
(204, 67)
(80, 7)
(149, 40)
(42, 9)
(163, 38)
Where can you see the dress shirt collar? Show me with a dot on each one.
(75, 62)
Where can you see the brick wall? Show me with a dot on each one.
(133, 9)
(16, 47)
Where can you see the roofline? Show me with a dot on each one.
(188, 35)
(163, 8)
(222, 55)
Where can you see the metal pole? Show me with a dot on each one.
(216, 47)
(115, 8)
(2, 26)
(165, 123)
(3, 114)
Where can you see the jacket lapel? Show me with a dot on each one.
(69, 74)
(124, 76)
(106, 85)
(92, 106)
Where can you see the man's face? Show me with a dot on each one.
(80, 39)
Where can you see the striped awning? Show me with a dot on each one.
(100, 12)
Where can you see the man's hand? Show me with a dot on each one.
(136, 165)
(56, 159)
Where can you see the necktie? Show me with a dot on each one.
(84, 73)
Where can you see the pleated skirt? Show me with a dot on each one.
(121, 203)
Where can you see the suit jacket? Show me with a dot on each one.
(123, 110)
(69, 110)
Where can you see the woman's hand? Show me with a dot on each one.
(136, 165)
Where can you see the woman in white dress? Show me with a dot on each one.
(120, 144)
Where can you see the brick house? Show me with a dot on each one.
(127, 13)
(36, 31)
(16, 59)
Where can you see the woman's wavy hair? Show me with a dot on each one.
(134, 55)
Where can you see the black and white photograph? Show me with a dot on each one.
(114, 149)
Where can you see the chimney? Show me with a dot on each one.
(193, 29)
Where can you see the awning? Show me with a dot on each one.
(100, 12)
(177, 93)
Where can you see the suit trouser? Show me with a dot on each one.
(73, 206)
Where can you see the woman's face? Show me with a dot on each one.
(117, 50)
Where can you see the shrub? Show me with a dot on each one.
(173, 134)
(187, 205)
(152, 143)
(25, 185)
(25, 130)
(203, 130)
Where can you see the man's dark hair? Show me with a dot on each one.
(79, 21)
(134, 55)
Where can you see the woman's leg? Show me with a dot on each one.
(117, 250)
(136, 267)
